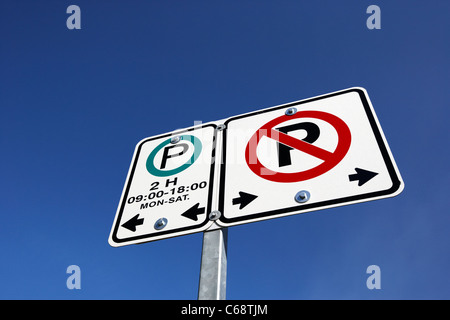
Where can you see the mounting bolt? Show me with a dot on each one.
(291, 111)
(214, 215)
(175, 139)
(160, 223)
(221, 127)
(302, 196)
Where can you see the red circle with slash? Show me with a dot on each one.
(330, 159)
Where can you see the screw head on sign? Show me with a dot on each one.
(291, 111)
(221, 127)
(302, 196)
(175, 139)
(160, 223)
(214, 215)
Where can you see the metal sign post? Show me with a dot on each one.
(213, 270)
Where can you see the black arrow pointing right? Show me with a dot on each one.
(362, 176)
(133, 222)
(244, 199)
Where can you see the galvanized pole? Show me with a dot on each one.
(213, 270)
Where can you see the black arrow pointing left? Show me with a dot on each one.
(193, 212)
(133, 222)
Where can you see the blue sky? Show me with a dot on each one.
(74, 103)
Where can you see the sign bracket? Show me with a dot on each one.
(213, 268)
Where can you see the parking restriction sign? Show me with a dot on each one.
(330, 159)
(168, 191)
(313, 154)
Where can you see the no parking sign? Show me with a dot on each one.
(330, 159)
(303, 156)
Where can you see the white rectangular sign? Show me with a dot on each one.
(168, 191)
(313, 154)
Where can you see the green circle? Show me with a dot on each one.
(160, 173)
